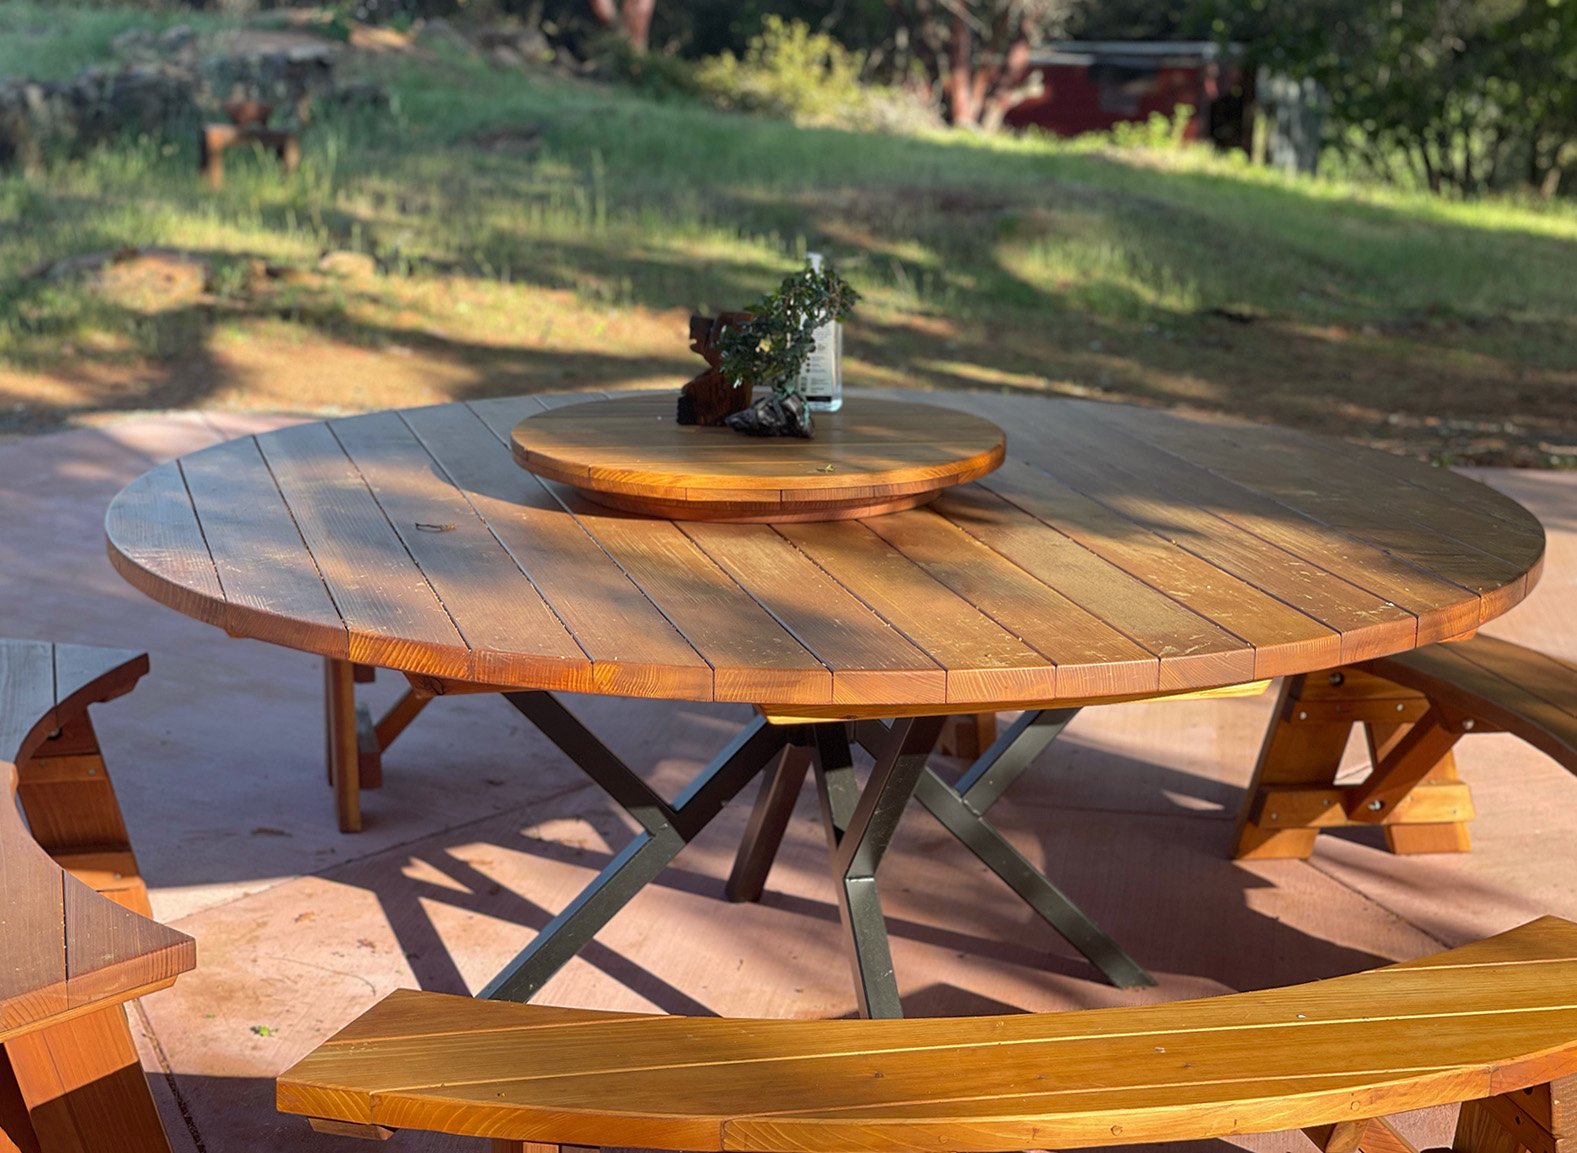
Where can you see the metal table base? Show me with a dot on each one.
(860, 825)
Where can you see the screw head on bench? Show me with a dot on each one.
(1399, 708)
(1336, 679)
(1303, 716)
(1467, 724)
(1376, 805)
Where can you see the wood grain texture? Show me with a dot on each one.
(1116, 555)
(630, 452)
(65, 951)
(273, 589)
(1415, 706)
(84, 1086)
(1495, 1017)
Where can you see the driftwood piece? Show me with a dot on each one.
(709, 398)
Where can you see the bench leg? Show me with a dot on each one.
(1414, 793)
(82, 1087)
(1371, 1135)
(1444, 837)
(1542, 1118)
(66, 792)
(343, 753)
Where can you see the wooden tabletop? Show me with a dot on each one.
(1119, 552)
(874, 455)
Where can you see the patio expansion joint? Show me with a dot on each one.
(169, 1077)
(1314, 864)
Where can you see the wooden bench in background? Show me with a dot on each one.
(76, 941)
(1414, 707)
(1492, 1024)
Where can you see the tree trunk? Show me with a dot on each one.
(633, 21)
(638, 22)
(962, 107)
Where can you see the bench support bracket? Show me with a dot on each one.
(1413, 793)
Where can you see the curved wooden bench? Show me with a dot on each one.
(1493, 1022)
(70, 955)
(1414, 706)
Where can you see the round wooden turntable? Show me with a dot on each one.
(872, 456)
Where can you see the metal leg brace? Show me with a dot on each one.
(961, 808)
(666, 829)
(860, 826)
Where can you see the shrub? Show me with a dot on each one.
(1157, 131)
(790, 71)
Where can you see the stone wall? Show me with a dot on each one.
(164, 87)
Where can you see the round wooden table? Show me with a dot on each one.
(1119, 553)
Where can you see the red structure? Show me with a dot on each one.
(1088, 86)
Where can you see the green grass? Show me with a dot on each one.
(1017, 261)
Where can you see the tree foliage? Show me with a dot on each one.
(772, 346)
(1460, 94)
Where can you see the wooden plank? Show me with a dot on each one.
(753, 657)
(870, 660)
(985, 663)
(1193, 651)
(86, 674)
(110, 949)
(154, 542)
(273, 589)
(515, 636)
(1089, 457)
(413, 1041)
(1149, 1088)
(85, 1089)
(1438, 498)
(1486, 553)
(27, 695)
(1474, 689)
(1091, 657)
(1285, 639)
(32, 922)
(395, 619)
(634, 649)
(1444, 608)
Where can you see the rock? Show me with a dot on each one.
(350, 265)
(775, 416)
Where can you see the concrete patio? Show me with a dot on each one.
(483, 831)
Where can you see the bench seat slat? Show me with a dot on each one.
(1524, 692)
(1404, 1037)
(982, 1078)
(27, 693)
(64, 949)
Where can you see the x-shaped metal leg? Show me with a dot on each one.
(666, 829)
(962, 807)
(860, 826)
(961, 810)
